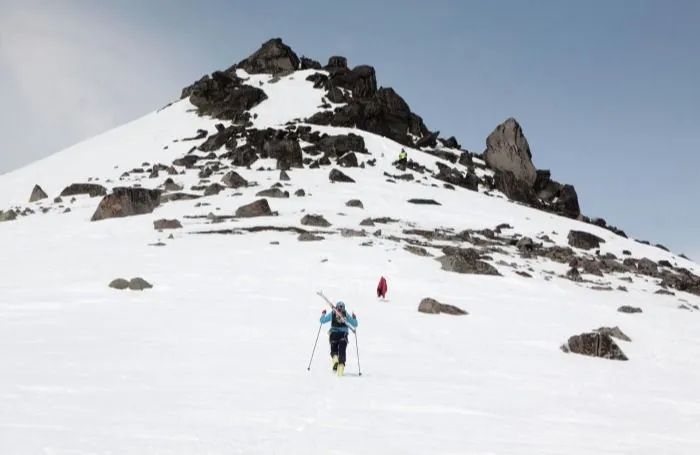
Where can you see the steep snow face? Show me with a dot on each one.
(213, 358)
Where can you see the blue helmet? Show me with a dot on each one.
(340, 305)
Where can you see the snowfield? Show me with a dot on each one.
(213, 359)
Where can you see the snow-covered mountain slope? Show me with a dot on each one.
(213, 358)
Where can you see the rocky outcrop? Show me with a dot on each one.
(466, 260)
(507, 150)
(125, 201)
(273, 57)
(560, 199)
(224, 96)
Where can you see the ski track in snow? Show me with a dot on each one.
(213, 359)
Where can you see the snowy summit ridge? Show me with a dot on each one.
(509, 312)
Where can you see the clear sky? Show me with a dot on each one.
(607, 92)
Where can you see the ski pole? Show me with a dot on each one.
(314, 350)
(357, 350)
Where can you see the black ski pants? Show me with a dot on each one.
(339, 344)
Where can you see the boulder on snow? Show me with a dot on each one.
(315, 220)
(135, 284)
(127, 201)
(37, 194)
(257, 208)
(594, 344)
(337, 176)
(167, 224)
(431, 306)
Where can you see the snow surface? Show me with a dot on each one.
(213, 359)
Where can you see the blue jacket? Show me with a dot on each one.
(328, 317)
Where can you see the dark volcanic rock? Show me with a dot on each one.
(560, 199)
(92, 189)
(224, 96)
(455, 177)
(337, 176)
(348, 160)
(233, 179)
(507, 150)
(595, 345)
(584, 240)
(125, 201)
(338, 145)
(385, 113)
(217, 140)
(287, 152)
(258, 208)
(274, 57)
(315, 220)
(462, 262)
(517, 190)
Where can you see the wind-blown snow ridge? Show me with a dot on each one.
(213, 358)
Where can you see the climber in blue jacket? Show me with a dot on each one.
(338, 334)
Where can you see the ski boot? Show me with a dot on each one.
(335, 362)
(341, 370)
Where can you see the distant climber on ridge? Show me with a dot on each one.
(338, 334)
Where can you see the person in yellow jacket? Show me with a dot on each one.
(403, 156)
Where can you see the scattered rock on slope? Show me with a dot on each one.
(337, 176)
(127, 201)
(595, 345)
(37, 194)
(355, 203)
(233, 179)
(507, 150)
(135, 284)
(431, 306)
(257, 208)
(419, 201)
(584, 240)
(466, 261)
(309, 237)
(273, 192)
(167, 224)
(315, 220)
(629, 309)
(91, 189)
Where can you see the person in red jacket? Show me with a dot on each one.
(382, 288)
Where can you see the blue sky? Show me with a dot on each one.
(607, 92)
